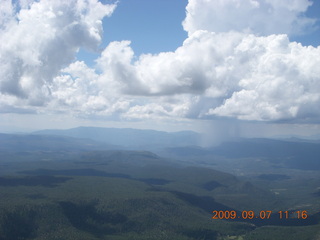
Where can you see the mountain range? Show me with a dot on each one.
(128, 137)
(290, 153)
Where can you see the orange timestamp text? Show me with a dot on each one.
(265, 214)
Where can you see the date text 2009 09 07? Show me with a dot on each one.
(261, 215)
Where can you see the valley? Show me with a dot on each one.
(66, 187)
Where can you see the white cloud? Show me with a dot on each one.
(234, 63)
(160, 108)
(283, 83)
(197, 67)
(262, 17)
(243, 76)
(118, 73)
(6, 13)
(79, 92)
(42, 38)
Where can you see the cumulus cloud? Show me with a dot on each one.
(262, 17)
(160, 108)
(282, 83)
(237, 62)
(79, 91)
(241, 75)
(198, 67)
(38, 39)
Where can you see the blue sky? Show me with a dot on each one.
(151, 26)
(313, 37)
(168, 65)
(156, 26)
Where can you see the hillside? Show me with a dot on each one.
(133, 195)
(74, 187)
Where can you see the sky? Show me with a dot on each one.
(228, 68)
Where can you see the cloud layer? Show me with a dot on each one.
(236, 62)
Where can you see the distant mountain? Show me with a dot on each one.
(297, 154)
(311, 138)
(269, 148)
(288, 153)
(32, 142)
(127, 137)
